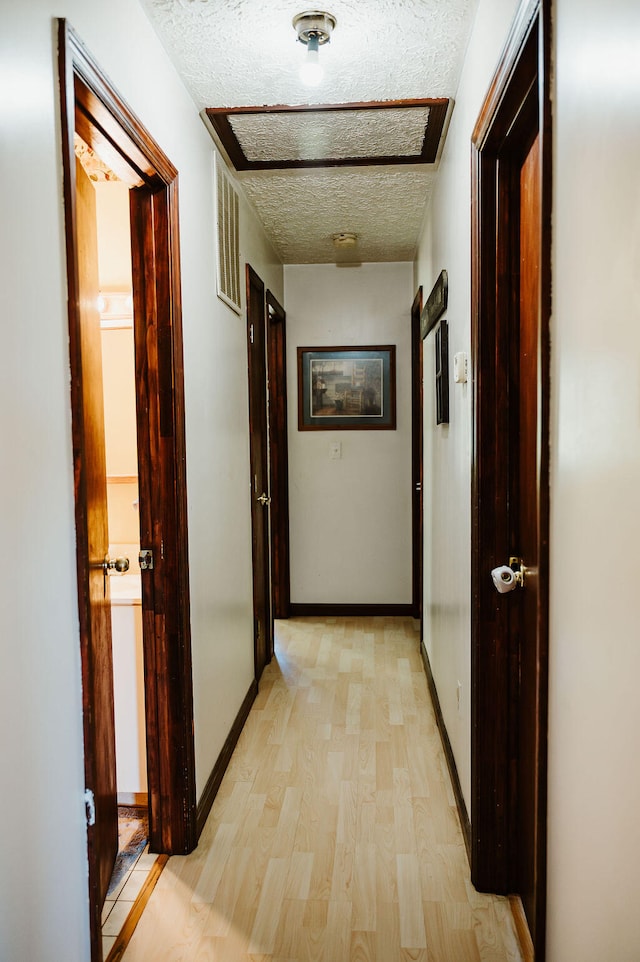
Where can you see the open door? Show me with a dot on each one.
(259, 454)
(92, 108)
(92, 536)
(511, 210)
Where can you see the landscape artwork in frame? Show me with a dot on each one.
(346, 388)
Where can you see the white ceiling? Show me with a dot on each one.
(233, 53)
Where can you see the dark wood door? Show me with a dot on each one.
(259, 455)
(511, 205)
(416, 457)
(93, 545)
(278, 457)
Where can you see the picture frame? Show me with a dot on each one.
(347, 388)
(435, 305)
(442, 373)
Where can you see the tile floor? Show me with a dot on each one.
(120, 901)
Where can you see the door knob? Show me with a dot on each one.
(509, 577)
(264, 500)
(118, 564)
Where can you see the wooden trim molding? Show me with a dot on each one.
(463, 815)
(222, 763)
(219, 120)
(133, 799)
(341, 611)
(522, 929)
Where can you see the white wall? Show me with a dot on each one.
(350, 518)
(218, 482)
(594, 776)
(43, 862)
(446, 243)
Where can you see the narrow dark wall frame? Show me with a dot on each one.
(442, 373)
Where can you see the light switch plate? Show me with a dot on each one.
(460, 368)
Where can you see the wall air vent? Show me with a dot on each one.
(228, 266)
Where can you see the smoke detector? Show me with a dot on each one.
(345, 240)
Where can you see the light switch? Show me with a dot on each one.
(335, 450)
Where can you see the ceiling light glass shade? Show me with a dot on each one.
(313, 28)
(311, 72)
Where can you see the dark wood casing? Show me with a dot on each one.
(91, 106)
(511, 245)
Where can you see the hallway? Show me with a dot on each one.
(334, 836)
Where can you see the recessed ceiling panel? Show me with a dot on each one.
(255, 138)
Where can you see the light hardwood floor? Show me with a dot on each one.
(334, 837)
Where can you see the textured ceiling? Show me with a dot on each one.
(384, 206)
(344, 133)
(233, 53)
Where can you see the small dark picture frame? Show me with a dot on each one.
(442, 373)
(435, 305)
(347, 388)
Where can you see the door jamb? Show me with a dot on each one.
(90, 104)
(278, 456)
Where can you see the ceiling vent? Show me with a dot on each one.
(228, 272)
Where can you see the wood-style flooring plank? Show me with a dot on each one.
(334, 836)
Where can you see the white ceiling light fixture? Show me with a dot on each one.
(314, 28)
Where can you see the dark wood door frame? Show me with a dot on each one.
(259, 478)
(518, 98)
(278, 457)
(91, 106)
(417, 470)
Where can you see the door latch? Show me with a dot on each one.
(90, 807)
(145, 559)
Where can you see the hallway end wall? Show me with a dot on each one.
(350, 518)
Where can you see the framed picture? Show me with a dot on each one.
(346, 388)
(435, 305)
(442, 373)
